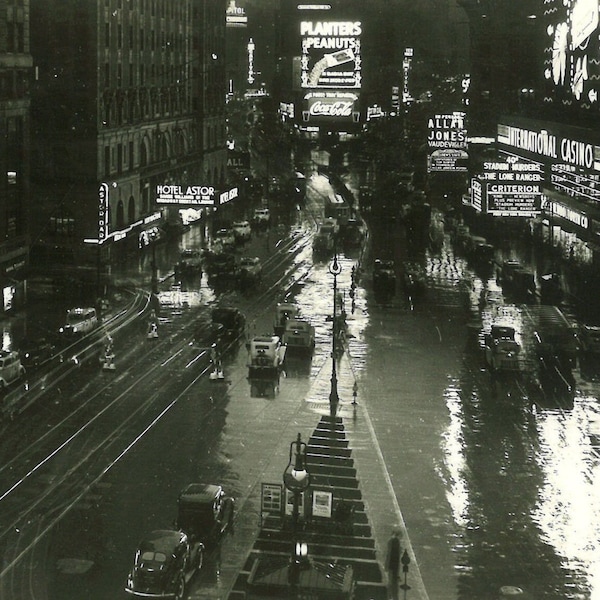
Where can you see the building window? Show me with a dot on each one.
(106, 161)
(130, 156)
(119, 35)
(119, 158)
(106, 75)
(131, 37)
(107, 34)
(141, 39)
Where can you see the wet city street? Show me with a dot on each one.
(494, 477)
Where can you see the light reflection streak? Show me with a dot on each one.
(568, 508)
(455, 462)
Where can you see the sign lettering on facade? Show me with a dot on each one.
(102, 212)
(330, 106)
(192, 195)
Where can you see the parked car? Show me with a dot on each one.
(164, 562)
(242, 231)
(80, 321)
(11, 368)
(205, 512)
(35, 352)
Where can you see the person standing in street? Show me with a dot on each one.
(392, 562)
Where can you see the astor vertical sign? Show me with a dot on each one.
(331, 55)
(102, 212)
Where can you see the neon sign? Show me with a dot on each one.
(331, 54)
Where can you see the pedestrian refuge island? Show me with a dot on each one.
(315, 540)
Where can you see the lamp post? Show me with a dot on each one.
(296, 479)
(335, 269)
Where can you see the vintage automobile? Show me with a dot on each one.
(262, 217)
(220, 266)
(249, 270)
(36, 352)
(242, 231)
(266, 354)
(79, 322)
(11, 368)
(501, 349)
(164, 563)
(190, 262)
(224, 239)
(205, 512)
(283, 312)
(299, 336)
(384, 278)
(232, 322)
(355, 233)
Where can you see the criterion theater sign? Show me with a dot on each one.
(513, 188)
(331, 54)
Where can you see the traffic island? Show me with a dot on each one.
(315, 542)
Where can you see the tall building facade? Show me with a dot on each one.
(15, 75)
(124, 100)
(534, 88)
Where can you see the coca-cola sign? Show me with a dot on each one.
(330, 106)
(333, 109)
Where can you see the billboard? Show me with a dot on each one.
(513, 188)
(447, 141)
(235, 16)
(331, 54)
(572, 52)
(331, 106)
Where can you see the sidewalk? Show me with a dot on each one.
(347, 460)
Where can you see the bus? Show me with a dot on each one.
(337, 208)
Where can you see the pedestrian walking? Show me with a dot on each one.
(392, 563)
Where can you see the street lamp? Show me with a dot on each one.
(335, 269)
(296, 479)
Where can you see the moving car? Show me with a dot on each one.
(35, 352)
(249, 270)
(501, 349)
(80, 321)
(164, 563)
(242, 231)
(224, 238)
(262, 216)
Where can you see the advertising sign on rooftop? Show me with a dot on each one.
(331, 106)
(572, 52)
(447, 131)
(235, 16)
(331, 54)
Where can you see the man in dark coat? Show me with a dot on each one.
(392, 562)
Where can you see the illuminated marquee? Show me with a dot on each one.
(547, 144)
(192, 195)
(331, 56)
(447, 131)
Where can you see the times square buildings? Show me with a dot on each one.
(102, 101)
